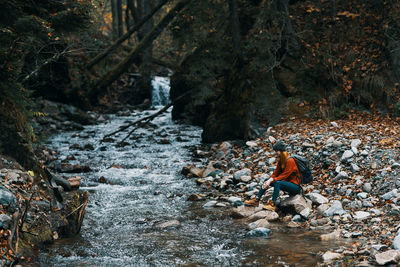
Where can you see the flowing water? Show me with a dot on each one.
(145, 188)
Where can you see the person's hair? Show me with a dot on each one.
(284, 155)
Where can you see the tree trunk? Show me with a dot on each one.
(119, 13)
(289, 38)
(114, 14)
(120, 40)
(116, 72)
(147, 53)
(235, 28)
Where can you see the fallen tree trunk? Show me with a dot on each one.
(120, 40)
(122, 67)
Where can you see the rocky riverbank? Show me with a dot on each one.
(354, 196)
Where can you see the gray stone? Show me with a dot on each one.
(364, 153)
(242, 212)
(342, 175)
(330, 140)
(260, 232)
(296, 218)
(271, 160)
(355, 142)
(305, 213)
(331, 236)
(361, 215)
(264, 214)
(7, 199)
(354, 150)
(347, 154)
(295, 204)
(388, 257)
(245, 179)
(5, 221)
(262, 223)
(367, 187)
(335, 209)
(210, 204)
(354, 167)
(390, 195)
(322, 208)
(396, 243)
(235, 201)
(362, 195)
(334, 124)
(395, 165)
(251, 144)
(238, 175)
(317, 199)
(168, 224)
(330, 256)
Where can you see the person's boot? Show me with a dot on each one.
(270, 206)
(252, 202)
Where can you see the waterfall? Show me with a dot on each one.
(160, 94)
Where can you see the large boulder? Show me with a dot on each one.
(294, 204)
(390, 256)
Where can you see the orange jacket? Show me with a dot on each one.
(290, 174)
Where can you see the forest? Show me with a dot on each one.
(142, 132)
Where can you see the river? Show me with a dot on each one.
(145, 188)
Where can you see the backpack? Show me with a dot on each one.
(304, 167)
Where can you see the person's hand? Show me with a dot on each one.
(267, 183)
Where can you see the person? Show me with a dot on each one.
(286, 177)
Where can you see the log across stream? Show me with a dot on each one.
(138, 213)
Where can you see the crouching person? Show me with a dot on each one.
(286, 177)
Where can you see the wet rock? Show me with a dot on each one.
(259, 232)
(361, 215)
(317, 199)
(88, 147)
(196, 197)
(330, 256)
(294, 224)
(294, 204)
(331, 236)
(192, 170)
(319, 222)
(390, 256)
(210, 204)
(103, 180)
(208, 171)
(75, 182)
(238, 175)
(335, 209)
(263, 223)
(235, 201)
(168, 224)
(242, 212)
(5, 221)
(62, 182)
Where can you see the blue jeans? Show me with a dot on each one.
(291, 188)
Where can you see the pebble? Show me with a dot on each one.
(355, 142)
(390, 195)
(342, 175)
(361, 215)
(210, 204)
(367, 187)
(347, 154)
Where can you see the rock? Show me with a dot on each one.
(330, 256)
(322, 208)
(295, 204)
(195, 197)
(307, 145)
(335, 209)
(354, 167)
(271, 139)
(317, 199)
(361, 215)
(88, 147)
(238, 175)
(364, 153)
(7, 199)
(334, 124)
(207, 172)
(331, 236)
(75, 182)
(259, 232)
(367, 187)
(210, 204)
(390, 195)
(297, 218)
(245, 179)
(168, 224)
(395, 165)
(5, 221)
(342, 175)
(293, 224)
(354, 150)
(251, 144)
(347, 154)
(390, 256)
(262, 223)
(242, 212)
(362, 195)
(330, 140)
(305, 213)
(396, 242)
(355, 142)
(264, 214)
(235, 201)
(103, 180)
